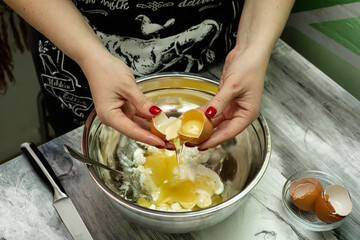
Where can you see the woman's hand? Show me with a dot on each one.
(237, 103)
(118, 101)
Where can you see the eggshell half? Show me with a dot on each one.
(164, 127)
(334, 204)
(182, 127)
(204, 133)
(154, 122)
(304, 193)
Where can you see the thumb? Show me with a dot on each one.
(218, 103)
(144, 107)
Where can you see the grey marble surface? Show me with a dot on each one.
(314, 125)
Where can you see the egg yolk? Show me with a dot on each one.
(192, 128)
(175, 190)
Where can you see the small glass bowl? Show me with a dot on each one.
(309, 220)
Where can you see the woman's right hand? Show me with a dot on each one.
(118, 101)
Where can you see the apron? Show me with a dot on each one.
(149, 36)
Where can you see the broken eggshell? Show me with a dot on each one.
(192, 127)
(165, 127)
(195, 127)
(304, 192)
(333, 204)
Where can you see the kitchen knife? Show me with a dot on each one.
(62, 202)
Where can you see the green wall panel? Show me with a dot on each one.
(345, 31)
(338, 69)
(306, 5)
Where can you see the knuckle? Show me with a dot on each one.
(220, 101)
(141, 103)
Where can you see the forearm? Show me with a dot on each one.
(261, 24)
(62, 23)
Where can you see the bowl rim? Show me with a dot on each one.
(198, 213)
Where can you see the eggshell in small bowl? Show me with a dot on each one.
(308, 219)
(304, 193)
(334, 204)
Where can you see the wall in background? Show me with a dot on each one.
(327, 33)
(19, 120)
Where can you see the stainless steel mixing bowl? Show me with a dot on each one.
(240, 162)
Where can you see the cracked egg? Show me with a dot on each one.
(192, 127)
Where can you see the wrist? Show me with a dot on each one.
(256, 44)
(259, 55)
(92, 58)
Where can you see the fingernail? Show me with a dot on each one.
(202, 149)
(154, 110)
(160, 147)
(189, 145)
(210, 112)
(171, 149)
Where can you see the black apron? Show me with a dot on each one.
(149, 36)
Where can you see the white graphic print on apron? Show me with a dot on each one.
(61, 83)
(145, 56)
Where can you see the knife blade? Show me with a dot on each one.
(62, 203)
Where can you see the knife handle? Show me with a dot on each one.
(43, 168)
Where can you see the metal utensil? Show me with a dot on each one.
(82, 158)
(62, 202)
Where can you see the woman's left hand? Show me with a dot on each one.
(237, 103)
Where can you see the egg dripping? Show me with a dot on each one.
(170, 191)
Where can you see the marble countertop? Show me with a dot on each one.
(314, 125)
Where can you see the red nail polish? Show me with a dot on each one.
(171, 149)
(210, 112)
(154, 110)
(189, 145)
(160, 147)
(202, 149)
